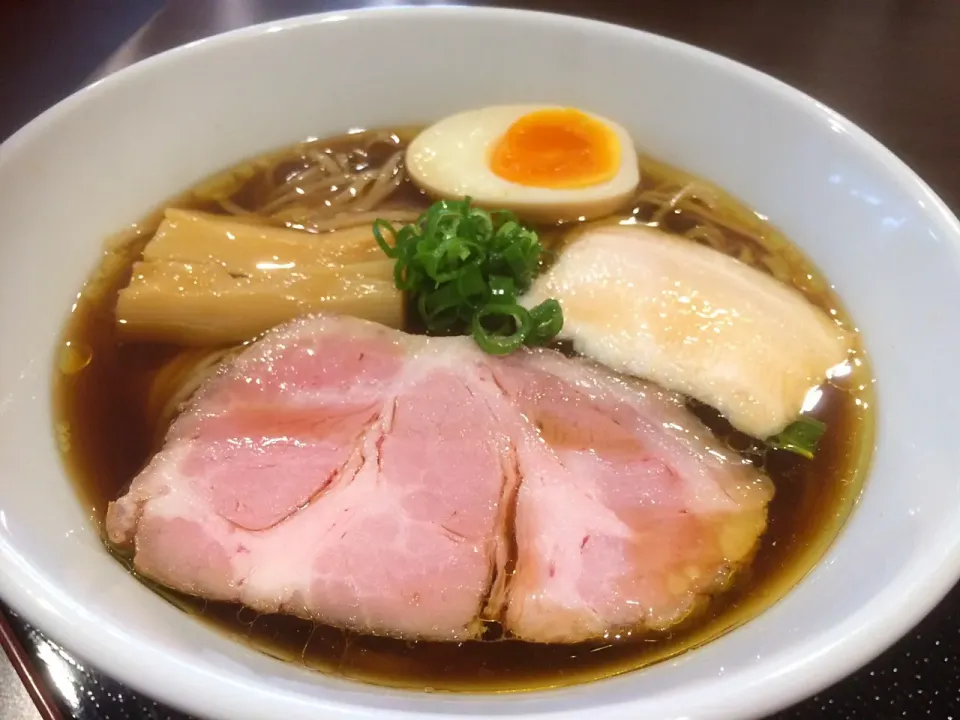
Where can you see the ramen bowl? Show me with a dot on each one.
(109, 154)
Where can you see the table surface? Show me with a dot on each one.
(891, 66)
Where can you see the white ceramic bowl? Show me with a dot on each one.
(105, 156)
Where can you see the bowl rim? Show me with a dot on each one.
(787, 678)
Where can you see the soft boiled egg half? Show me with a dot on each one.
(546, 163)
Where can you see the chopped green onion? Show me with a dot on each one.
(466, 268)
(800, 437)
(499, 344)
(547, 320)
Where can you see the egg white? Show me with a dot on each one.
(451, 160)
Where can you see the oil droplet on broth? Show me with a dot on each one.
(74, 357)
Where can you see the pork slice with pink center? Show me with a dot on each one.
(412, 543)
(367, 498)
(629, 512)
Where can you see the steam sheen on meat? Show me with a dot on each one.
(416, 487)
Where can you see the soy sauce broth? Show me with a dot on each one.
(107, 430)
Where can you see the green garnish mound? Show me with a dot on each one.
(465, 268)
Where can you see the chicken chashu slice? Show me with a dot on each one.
(366, 478)
(693, 320)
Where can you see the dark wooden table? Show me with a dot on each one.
(891, 66)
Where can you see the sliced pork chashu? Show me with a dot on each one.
(337, 471)
(630, 511)
(355, 475)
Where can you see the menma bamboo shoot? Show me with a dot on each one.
(209, 280)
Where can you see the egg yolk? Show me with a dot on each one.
(557, 149)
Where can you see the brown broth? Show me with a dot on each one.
(107, 434)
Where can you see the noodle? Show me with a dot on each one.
(388, 180)
(178, 380)
(230, 207)
(301, 219)
(690, 190)
(336, 184)
(708, 235)
(325, 182)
